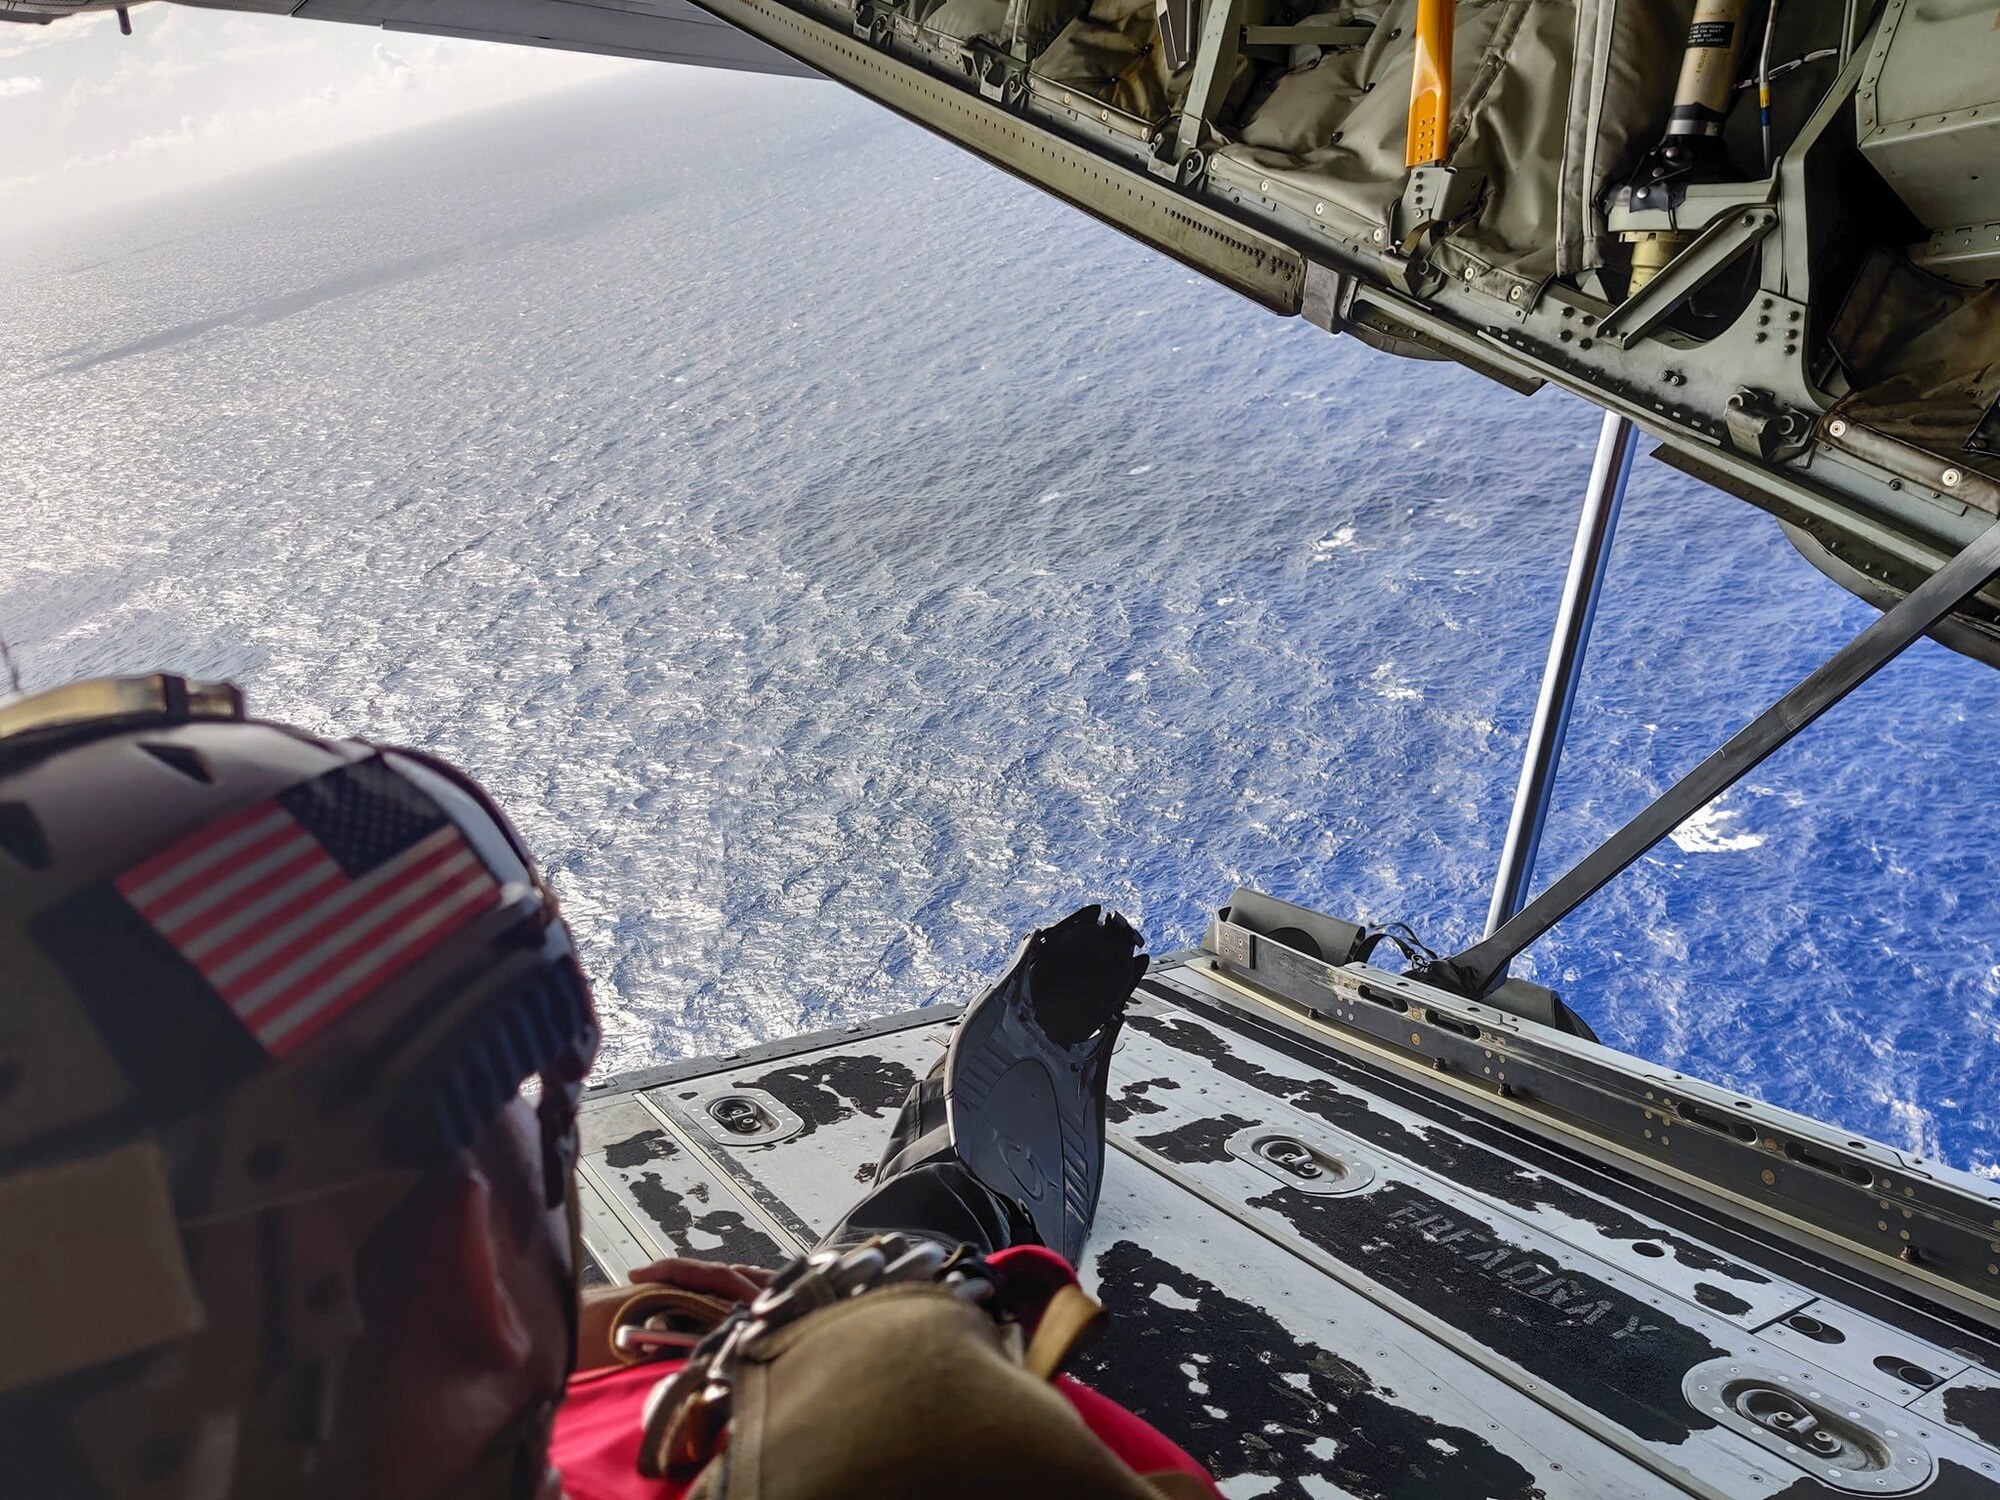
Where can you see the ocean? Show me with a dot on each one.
(840, 558)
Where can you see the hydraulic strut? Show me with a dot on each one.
(1588, 558)
(1479, 967)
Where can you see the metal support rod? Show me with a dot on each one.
(1214, 65)
(1616, 440)
(1474, 971)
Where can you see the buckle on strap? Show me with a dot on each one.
(664, 1322)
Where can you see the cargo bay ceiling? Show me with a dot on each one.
(1767, 230)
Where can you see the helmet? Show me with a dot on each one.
(253, 985)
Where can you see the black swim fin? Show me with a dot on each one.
(1026, 1074)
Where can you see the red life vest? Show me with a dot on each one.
(596, 1445)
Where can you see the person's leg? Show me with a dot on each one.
(922, 1188)
(1004, 1142)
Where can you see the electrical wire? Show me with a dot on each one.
(1764, 82)
(1788, 67)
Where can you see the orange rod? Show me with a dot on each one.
(1430, 83)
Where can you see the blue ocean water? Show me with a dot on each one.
(839, 557)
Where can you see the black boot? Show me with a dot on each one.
(1025, 1079)
(922, 1188)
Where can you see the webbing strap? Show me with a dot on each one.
(1070, 1320)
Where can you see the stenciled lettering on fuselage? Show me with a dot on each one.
(1522, 1273)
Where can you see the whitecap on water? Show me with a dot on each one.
(1341, 538)
(1711, 831)
(1389, 685)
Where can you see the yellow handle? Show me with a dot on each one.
(1430, 83)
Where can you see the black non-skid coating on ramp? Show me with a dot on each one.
(1262, 1401)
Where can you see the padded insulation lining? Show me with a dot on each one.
(1112, 53)
(1336, 127)
(1038, 21)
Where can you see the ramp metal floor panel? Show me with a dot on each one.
(1326, 1281)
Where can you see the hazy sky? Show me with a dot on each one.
(89, 118)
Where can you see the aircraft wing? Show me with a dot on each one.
(658, 30)
(655, 30)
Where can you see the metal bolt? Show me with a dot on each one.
(1264, 186)
(1469, 273)
(1320, 209)
(1380, 235)
(1104, 114)
(1836, 428)
(1951, 478)
(1513, 294)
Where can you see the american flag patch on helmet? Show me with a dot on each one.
(296, 907)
